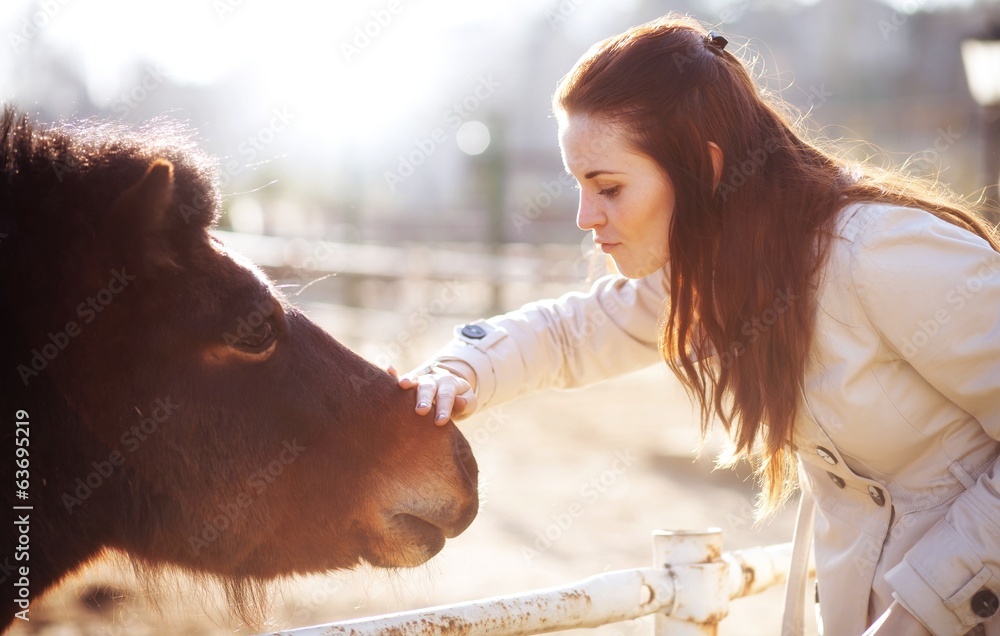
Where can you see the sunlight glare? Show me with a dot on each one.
(473, 137)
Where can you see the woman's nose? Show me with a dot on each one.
(588, 216)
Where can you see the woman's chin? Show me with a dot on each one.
(630, 268)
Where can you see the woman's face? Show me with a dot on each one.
(625, 198)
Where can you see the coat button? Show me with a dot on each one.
(876, 495)
(473, 332)
(826, 455)
(985, 603)
(837, 480)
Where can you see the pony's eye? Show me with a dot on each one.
(257, 340)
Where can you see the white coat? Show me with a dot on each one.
(898, 431)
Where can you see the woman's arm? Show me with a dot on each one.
(571, 341)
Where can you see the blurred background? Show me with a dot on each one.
(393, 164)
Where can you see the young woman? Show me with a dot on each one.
(842, 322)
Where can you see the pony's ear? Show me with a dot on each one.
(139, 216)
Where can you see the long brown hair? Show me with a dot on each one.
(746, 244)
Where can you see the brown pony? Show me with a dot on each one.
(159, 397)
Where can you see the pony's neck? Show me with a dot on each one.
(54, 541)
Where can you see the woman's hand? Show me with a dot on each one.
(897, 621)
(438, 388)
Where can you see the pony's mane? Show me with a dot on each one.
(106, 153)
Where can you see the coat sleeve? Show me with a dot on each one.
(568, 342)
(933, 291)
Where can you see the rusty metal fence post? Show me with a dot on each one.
(701, 591)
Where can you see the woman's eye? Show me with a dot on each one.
(609, 192)
(257, 340)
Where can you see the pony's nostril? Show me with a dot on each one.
(417, 525)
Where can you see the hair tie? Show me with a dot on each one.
(717, 40)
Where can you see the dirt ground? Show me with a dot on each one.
(540, 458)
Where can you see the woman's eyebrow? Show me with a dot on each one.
(594, 173)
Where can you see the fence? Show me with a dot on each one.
(535, 266)
(688, 589)
(366, 295)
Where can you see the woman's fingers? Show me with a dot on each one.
(447, 391)
(427, 388)
(449, 402)
(405, 381)
(438, 390)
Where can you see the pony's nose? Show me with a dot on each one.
(454, 500)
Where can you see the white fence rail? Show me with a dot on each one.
(688, 589)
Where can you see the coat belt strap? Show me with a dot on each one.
(793, 623)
